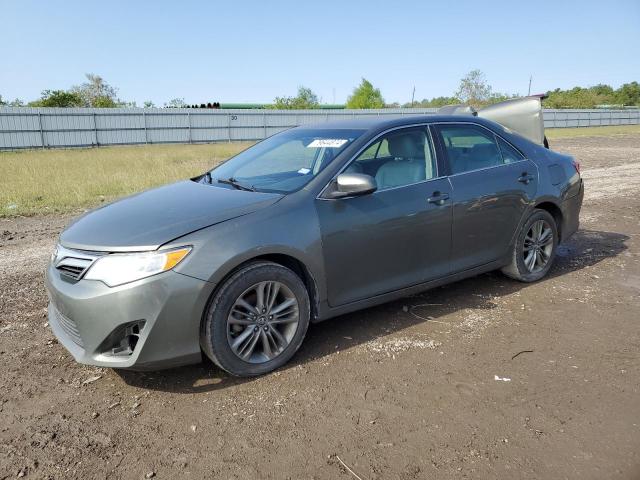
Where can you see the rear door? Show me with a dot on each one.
(492, 186)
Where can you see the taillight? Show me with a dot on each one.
(576, 165)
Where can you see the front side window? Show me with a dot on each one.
(399, 158)
(469, 147)
(285, 162)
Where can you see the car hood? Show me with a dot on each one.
(149, 219)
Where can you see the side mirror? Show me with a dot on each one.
(352, 185)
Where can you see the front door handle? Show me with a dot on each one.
(525, 178)
(438, 198)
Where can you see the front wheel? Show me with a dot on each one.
(534, 249)
(257, 320)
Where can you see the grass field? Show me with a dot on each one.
(553, 133)
(57, 181)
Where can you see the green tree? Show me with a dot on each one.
(603, 90)
(580, 97)
(577, 97)
(365, 96)
(14, 103)
(175, 103)
(304, 100)
(57, 98)
(149, 104)
(435, 102)
(474, 89)
(629, 94)
(95, 92)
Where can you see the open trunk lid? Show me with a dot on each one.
(522, 115)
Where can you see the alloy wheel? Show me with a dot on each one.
(538, 246)
(262, 322)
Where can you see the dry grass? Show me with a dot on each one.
(555, 133)
(54, 181)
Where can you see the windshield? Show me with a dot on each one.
(285, 162)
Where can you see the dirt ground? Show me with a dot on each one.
(427, 387)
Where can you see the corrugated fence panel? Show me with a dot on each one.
(23, 127)
(19, 131)
(72, 129)
(208, 128)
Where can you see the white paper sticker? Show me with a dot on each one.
(327, 143)
(304, 171)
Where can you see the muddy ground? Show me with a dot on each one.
(409, 390)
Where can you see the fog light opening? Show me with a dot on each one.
(123, 340)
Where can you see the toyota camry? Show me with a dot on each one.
(309, 224)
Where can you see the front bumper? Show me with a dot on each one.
(85, 316)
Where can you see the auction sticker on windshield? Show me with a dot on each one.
(327, 143)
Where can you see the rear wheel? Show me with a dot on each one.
(257, 320)
(534, 249)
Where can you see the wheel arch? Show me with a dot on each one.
(288, 260)
(555, 211)
(300, 269)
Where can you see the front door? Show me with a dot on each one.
(399, 235)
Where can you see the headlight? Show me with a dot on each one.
(54, 254)
(118, 268)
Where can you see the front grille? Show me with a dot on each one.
(69, 326)
(73, 263)
(72, 271)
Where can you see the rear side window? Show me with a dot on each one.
(509, 154)
(469, 147)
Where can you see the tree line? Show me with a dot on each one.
(598, 95)
(94, 92)
(474, 90)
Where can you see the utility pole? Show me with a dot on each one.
(530, 78)
(413, 94)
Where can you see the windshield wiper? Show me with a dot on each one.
(233, 182)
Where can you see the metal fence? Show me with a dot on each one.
(22, 127)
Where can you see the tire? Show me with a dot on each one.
(248, 328)
(543, 248)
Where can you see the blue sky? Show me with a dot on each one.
(252, 51)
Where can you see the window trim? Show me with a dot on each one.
(434, 152)
(446, 155)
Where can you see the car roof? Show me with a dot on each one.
(377, 123)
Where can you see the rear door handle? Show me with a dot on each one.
(438, 198)
(525, 178)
